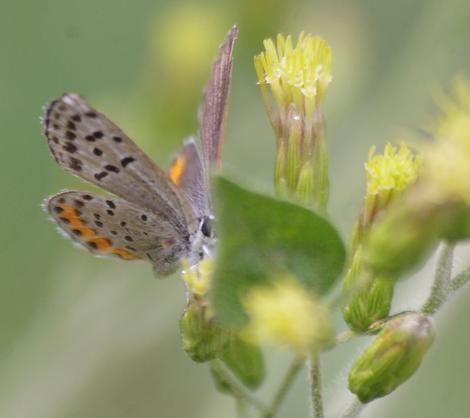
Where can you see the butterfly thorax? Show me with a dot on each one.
(203, 240)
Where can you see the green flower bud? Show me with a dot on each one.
(371, 296)
(203, 339)
(245, 360)
(407, 234)
(392, 357)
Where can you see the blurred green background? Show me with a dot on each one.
(81, 336)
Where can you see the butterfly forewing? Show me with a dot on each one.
(87, 143)
(114, 227)
(215, 106)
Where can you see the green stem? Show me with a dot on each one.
(315, 386)
(441, 286)
(241, 394)
(460, 280)
(354, 409)
(241, 408)
(284, 387)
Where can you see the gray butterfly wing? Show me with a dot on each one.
(188, 173)
(110, 226)
(89, 145)
(214, 109)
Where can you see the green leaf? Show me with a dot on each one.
(245, 360)
(261, 237)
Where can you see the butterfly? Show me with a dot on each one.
(152, 215)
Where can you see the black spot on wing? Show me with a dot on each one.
(70, 147)
(78, 203)
(75, 164)
(100, 176)
(111, 168)
(126, 161)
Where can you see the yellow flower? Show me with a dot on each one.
(454, 121)
(296, 74)
(197, 278)
(447, 159)
(392, 171)
(293, 79)
(286, 314)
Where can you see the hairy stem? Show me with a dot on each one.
(315, 386)
(460, 280)
(242, 395)
(284, 387)
(441, 286)
(354, 409)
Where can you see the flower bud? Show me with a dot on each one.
(388, 175)
(371, 296)
(407, 234)
(393, 357)
(203, 339)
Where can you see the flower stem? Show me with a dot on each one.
(284, 387)
(242, 395)
(315, 386)
(442, 282)
(460, 280)
(354, 409)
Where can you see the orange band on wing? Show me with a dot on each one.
(85, 234)
(177, 169)
(101, 244)
(121, 252)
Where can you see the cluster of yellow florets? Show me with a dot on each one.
(286, 314)
(447, 159)
(297, 74)
(394, 170)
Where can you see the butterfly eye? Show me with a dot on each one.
(207, 227)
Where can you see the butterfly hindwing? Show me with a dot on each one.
(188, 173)
(111, 226)
(87, 143)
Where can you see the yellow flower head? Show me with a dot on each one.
(392, 171)
(198, 278)
(447, 159)
(296, 74)
(454, 121)
(287, 314)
